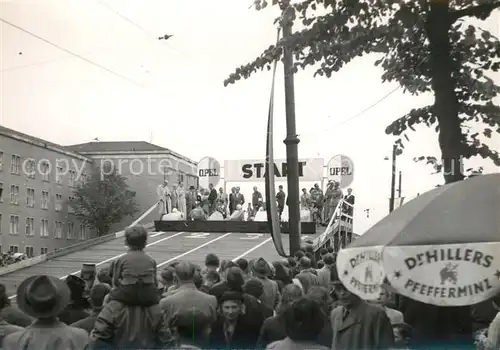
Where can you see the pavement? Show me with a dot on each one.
(164, 247)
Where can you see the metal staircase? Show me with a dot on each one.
(339, 232)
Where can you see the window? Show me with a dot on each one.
(1, 161)
(15, 165)
(14, 194)
(30, 197)
(83, 232)
(14, 225)
(1, 192)
(181, 178)
(0, 226)
(30, 168)
(44, 251)
(14, 249)
(59, 230)
(44, 228)
(59, 175)
(70, 234)
(30, 252)
(58, 204)
(45, 200)
(70, 208)
(71, 178)
(30, 226)
(45, 171)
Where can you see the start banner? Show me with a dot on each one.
(255, 170)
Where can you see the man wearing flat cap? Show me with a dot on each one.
(44, 297)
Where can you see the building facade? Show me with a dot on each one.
(146, 166)
(37, 179)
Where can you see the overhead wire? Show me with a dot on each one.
(150, 35)
(82, 58)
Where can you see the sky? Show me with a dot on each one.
(111, 78)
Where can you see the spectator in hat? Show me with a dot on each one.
(187, 295)
(230, 330)
(97, 295)
(304, 321)
(104, 277)
(10, 314)
(43, 298)
(325, 273)
(307, 277)
(270, 296)
(358, 324)
(192, 329)
(134, 274)
(78, 305)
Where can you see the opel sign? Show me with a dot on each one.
(341, 170)
(208, 172)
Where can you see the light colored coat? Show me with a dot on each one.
(58, 336)
(187, 297)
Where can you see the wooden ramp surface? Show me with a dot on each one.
(164, 247)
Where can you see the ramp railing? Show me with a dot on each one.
(338, 233)
(74, 247)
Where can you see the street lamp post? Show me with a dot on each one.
(393, 178)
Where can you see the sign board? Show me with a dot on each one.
(447, 275)
(255, 170)
(341, 170)
(361, 270)
(208, 172)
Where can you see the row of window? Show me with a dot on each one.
(43, 168)
(30, 198)
(60, 230)
(29, 250)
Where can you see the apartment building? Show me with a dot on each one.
(37, 179)
(145, 166)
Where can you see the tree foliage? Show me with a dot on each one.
(103, 200)
(424, 45)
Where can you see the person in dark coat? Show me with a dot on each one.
(230, 330)
(304, 321)
(274, 328)
(97, 295)
(77, 308)
(10, 314)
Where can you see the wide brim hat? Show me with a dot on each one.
(261, 267)
(58, 302)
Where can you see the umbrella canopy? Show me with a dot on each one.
(441, 248)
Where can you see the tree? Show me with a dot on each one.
(425, 46)
(103, 200)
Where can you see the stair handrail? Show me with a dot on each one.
(321, 240)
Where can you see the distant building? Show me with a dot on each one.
(38, 177)
(145, 166)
